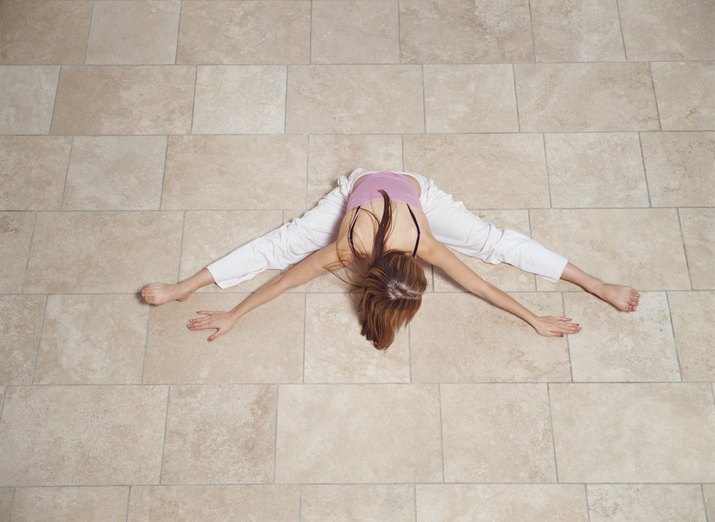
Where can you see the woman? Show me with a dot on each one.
(378, 224)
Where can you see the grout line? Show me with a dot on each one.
(300, 502)
(424, 102)
(414, 500)
(620, 31)
(146, 345)
(305, 322)
(531, 30)
(342, 383)
(588, 507)
(89, 33)
(54, 107)
(685, 249)
(163, 440)
(163, 175)
(12, 502)
(275, 434)
(178, 33)
(516, 102)
(181, 245)
(645, 171)
(712, 388)
(311, 484)
(285, 106)
(399, 35)
(310, 36)
(441, 425)
(675, 339)
(129, 497)
(553, 434)
(546, 167)
(655, 96)
(705, 504)
(568, 344)
(67, 173)
(193, 104)
(39, 339)
(2, 403)
(29, 254)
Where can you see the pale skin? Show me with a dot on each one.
(402, 238)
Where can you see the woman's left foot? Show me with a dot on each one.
(623, 298)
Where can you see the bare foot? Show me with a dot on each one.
(160, 293)
(624, 298)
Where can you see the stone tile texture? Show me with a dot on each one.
(141, 140)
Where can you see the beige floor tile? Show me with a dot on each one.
(470, 98)
(576, 31)
(680, 167)
(357, 502)
(652, 502)
(115, 173)
(686, 96)
(653, 432)
(21, 321)
(496, 433)
(585, 97)
(331, 156)
(505, 277)
(618, 347)
(596, 170)
(28, 95)
(709, 495)
(15, 236)
(189, 503)
(124, 100)
(684, 29)
(235, 172)
(354, 99)
(92, 339)
(609, 244)
(70, 504)
(336, 352)
(227, 32)
(254, 351)
(698, 226)
(32, 171)
(43, 31)
(88, 435)
(210, 235)
(134, 32)
(484, 343)
(6, 495)
(98, 252)
(355, 32)
(692, 314)
(450, 31)
(485, 502)
(483, 170)
(236, 423)
(240, 99)
(358, 433)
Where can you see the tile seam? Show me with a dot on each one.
(682, 240)
(178, 33)
(675, 339)
(553, 434)
(655, 95)
(441, 426)
(568, 344)
(645, 172)
(129, 497)
(38, 342)
(163, 175)
(588, 506)
(623, 39)
(89, 33)
(531, 30)
(275, 435)
(163, 439)
(67, 173)
(29, 254)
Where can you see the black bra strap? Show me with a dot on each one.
(417, 243)
(352, 226)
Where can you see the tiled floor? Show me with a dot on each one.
(140, 140)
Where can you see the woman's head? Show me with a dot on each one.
(390, 285)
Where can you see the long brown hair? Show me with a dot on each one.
(390, 285)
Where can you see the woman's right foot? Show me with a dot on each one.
(160, 293)
(623, 298)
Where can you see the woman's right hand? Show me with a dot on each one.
(549, 326)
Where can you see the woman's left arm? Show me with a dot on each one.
(440, 256)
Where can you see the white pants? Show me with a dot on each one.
(451, 223)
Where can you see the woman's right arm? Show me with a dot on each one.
(300, 273)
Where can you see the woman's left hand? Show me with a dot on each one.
(222, 322)
(555, 326)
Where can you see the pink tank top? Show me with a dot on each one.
(397, 186)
